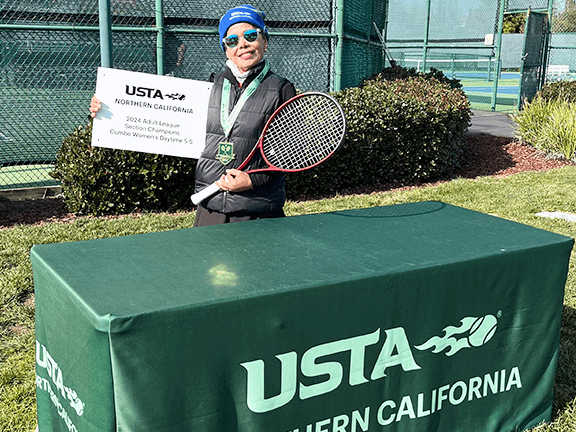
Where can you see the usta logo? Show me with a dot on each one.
(144, 92)
(152, 93)
(395, 351)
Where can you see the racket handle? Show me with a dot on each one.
(200, 196)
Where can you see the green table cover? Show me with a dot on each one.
(415, 317)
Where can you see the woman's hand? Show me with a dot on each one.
(235, 181)
(95, 106)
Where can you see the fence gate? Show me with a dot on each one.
(533, 55)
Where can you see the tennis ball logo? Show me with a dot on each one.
(472, 333)
(482, 330)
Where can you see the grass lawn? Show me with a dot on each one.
(517, 197)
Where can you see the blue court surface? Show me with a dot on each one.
(501, 90)
(479, 92)
(463, 75)
(510, 75)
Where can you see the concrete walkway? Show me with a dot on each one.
(491, 123)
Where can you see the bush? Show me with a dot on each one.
(549, 121)
(402, 126)
(98, 181)
(402, 130)
(396, 72)
(549, 124)
(565, 90)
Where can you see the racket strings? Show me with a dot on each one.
(304, 133)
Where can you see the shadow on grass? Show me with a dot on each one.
(565, 382)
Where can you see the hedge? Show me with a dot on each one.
(402, 130)
(402, 126)
(98, 181)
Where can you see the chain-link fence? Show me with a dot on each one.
(50, 51)
(463, 38)
(362, 47)
(456, 37)
(561, 44)
(562, 54)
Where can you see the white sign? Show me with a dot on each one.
(151, 113)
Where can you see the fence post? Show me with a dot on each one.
(339, 45)
(426, 35)
(547, 44)
(159, 5)
(104, 15)
(498, 55)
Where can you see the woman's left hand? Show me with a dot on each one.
(235, 181)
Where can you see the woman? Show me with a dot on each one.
(243, 98)
(248, 89)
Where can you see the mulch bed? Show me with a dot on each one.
(486, 156)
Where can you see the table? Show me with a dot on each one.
(413, 317)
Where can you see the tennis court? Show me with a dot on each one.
(477, 78)
(27, 176)
(31, 133)
(480, 92)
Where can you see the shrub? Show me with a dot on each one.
(549, 121)
(402, 130)
(98, 181)
(405, 130)
(396, 72)
(549, 124)
(565, 90)
(528, 122)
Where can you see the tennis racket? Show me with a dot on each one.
(301, 134)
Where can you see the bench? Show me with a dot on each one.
(554, 72)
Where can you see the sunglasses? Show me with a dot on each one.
(249, 36)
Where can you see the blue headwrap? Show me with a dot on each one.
(244, 13)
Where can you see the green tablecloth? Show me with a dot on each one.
(416, 317)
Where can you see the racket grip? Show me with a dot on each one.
(200, 196)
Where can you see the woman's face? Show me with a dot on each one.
(246, 55)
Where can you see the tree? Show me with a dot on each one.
(514, 23)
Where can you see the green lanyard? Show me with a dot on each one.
(226, 120)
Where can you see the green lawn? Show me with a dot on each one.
(516, 198)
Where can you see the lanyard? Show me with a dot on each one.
(226, 120)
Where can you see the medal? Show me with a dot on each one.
(226, 148)
(225, 152)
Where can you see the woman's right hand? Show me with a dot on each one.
(95, 106)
